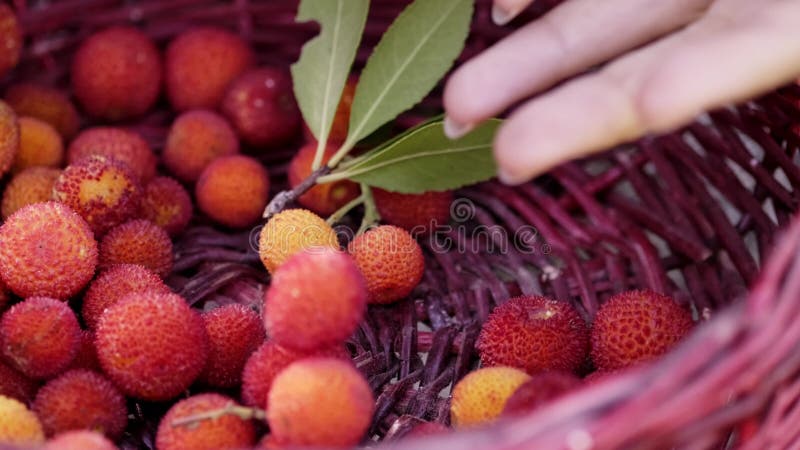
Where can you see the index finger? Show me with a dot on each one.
(570, 39)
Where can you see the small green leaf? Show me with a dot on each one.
(424, 159)
(412, 56)
(321, 72)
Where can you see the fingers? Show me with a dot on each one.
(720, 59)
(751, 54)
(504, 11)
(572, 38)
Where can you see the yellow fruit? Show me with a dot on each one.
(18, 425)
(480, 397)
(290, 232)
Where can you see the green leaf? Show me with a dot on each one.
(321, 72)
(424, 159)
(412, 56)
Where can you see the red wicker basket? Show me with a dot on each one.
(703, 213)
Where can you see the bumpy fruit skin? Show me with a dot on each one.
(9, 137)
(200, 64)
(11, 37)
(167, 204)
(534, 334)
(116, 143)
(86, 357)
(268, 361)
(40, 337)
(80, 440)
(226, 432)
(195, 139)
(636, 326)
(322, 402)
(261, 105)
(39, 145)
(233, 190)
(316, 299)
(18, 424)
(416, 213)
(116, 73)
(46, 249)
(292, 231)
(33, 185)
(541, 389)
(480, 396)
(323, 199)
(137, 242)
(113, 285)
(152, 346)
(234, 333)
(14, 384)
(81, 400)
(390, 260)
(104, 191)
(45, 103)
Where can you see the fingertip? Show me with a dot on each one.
(458, 103)
(504, 11)
(454, 129)
(511, 169)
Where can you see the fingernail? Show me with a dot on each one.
(455, 130)
(501, 17)
(507, 178)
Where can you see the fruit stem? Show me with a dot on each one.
(341, 212)
(284, 198)
(341, 153)
(371, 215)
(321, 145)
(231, 409)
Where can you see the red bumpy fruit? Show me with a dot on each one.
(416, 213)
(268, 361)
(200, 64)
(261, 106)
(125, 146)
(534, 334)
(81, 400)
(390, 260)
(151, 345)
(195, 139)
(225, 432)
(233, 190)
(316, 299)
(45, 103)
(116, 73)
(47, 249)
(636, 326)
(40, 337)
(234, 333)
(113, 285)
(321, 402)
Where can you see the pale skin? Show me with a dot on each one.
(658, 64)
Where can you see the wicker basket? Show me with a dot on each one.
(695, 214)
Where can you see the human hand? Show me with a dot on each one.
(665, 62)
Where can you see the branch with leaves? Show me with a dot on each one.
(413, 55)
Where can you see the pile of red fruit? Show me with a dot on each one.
(533, 348)
(90, 211)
